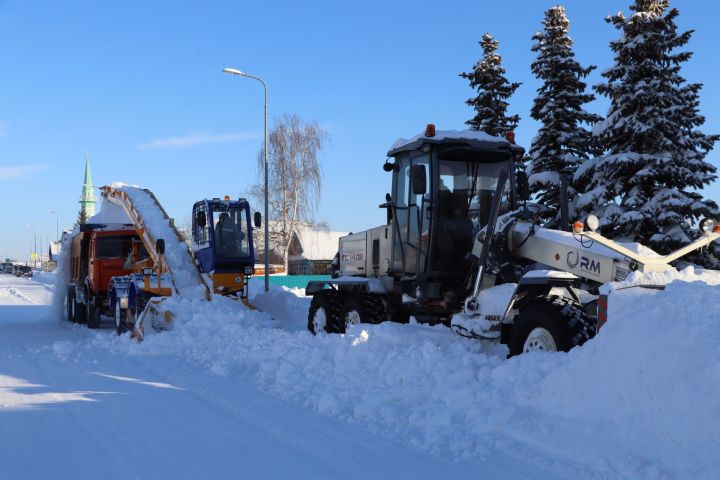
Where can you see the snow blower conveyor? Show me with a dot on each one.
(221, 260)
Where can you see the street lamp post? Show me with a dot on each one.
(57, 224)
(234, 71)
(35, 239)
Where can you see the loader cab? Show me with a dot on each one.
(438, 213)
(222, 236)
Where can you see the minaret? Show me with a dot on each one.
(87, 200)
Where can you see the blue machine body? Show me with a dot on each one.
(222, 236)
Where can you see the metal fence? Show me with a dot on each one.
(295, 281)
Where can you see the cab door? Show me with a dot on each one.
(411, 208)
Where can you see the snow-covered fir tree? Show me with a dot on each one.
(82, 217)
(644, 187)
(562, 143)
(493, 90)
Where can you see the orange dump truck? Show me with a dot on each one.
(97, 253)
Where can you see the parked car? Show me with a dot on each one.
(7, 267)
(23, 271)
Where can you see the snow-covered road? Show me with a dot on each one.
(235, 393)
(86, 413)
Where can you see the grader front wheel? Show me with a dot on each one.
(551, 323)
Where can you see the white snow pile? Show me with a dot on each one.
(688, 274)
(109, 213)
(640, 401)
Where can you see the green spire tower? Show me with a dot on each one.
(87, 200)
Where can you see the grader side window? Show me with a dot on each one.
(410, 251)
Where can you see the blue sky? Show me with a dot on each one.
(139, 86)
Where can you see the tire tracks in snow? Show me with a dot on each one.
(15, 293)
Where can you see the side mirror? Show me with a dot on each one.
(201, 219)
(418, 179)
(257, 219)
(160, 246)
(388, 167)
(523, 185)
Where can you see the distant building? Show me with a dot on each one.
(87, 199)
(312, 250)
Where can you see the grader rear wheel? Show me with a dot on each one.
(324, 313)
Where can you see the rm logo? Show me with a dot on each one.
(586, 263)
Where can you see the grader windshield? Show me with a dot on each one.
(465, 192)
(467, 188)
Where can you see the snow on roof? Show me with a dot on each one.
(476, 139)
(317, 244)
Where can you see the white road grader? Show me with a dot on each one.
(462, 246)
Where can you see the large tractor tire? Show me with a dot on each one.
(119, 319)
(79, 311)
(551, 323)
(361, 309)
(93, 314)
(70, 305)
(324, 313)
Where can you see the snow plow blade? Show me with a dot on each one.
(157, 313)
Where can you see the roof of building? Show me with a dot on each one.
(316, 244)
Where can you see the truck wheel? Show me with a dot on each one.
(552, 324)
(79, 311)
(93, 315)
(70, 306)
(119, 321)
(324, 314)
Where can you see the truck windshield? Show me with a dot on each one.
(113, 246)
(230, 229)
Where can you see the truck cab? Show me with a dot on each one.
(442, 190)
(223, 243)
(443, 186)
(108, 252)
(97, 253)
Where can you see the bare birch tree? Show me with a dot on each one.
(295, 179)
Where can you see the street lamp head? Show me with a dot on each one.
(233, 71)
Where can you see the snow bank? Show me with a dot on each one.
(649, 383)
(639, 401)
(688, 274)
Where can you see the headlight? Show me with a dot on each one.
(709, 225)
(123, 302)
(593, 222)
